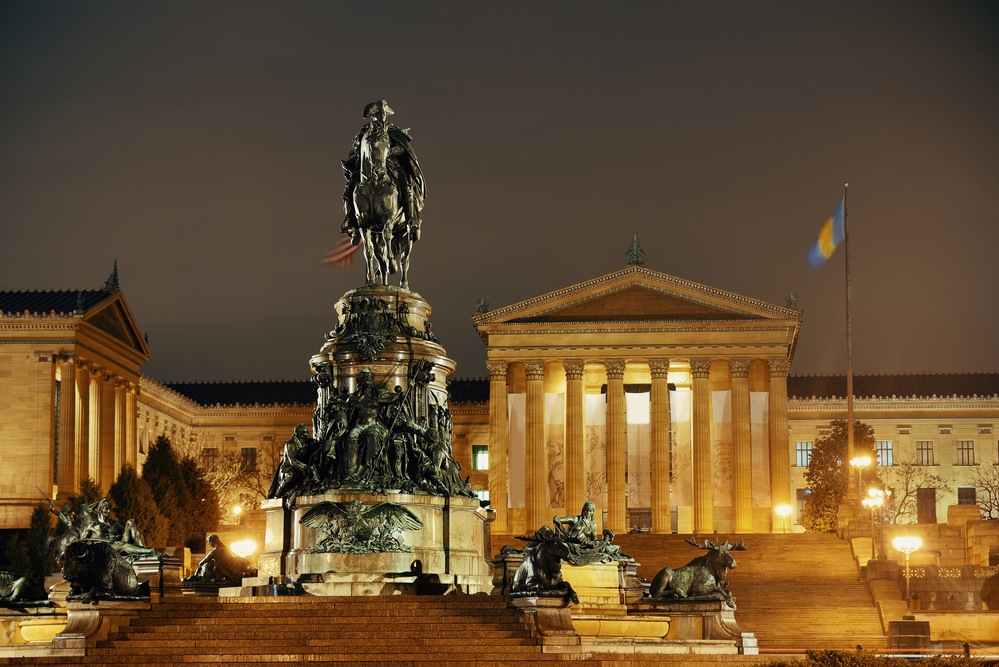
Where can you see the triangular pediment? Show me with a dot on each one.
(636, 294)
(636, 303)
(114, 318)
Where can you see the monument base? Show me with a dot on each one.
(448, 552)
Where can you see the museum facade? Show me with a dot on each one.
(667, 403)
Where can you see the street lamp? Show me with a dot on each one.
(883, 498)
(907, 545)
(870, 504)
(860, 463)
(784, 511)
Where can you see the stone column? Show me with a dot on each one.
(107, 429)
(499, 447)
(81, 435)
(575, 428)
(536, 459)
(703, 468)
(131, 425)
(780, 460)
(660, 431)
(67, 427)
(96, 398)
(617, 443)
(742, 481)
(120, 424)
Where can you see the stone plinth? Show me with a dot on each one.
(550, 620)
(450, 549)
(699, 621)
(162, 573)
(89, 623)
(30, 624)
(912, 635)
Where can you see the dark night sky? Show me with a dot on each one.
(199, 144)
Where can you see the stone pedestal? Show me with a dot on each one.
(89, 623)
(700, 622)
(550, 620)
(449, 550)
(163, 575)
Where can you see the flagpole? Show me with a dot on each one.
(852, 490)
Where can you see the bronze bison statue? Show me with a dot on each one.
(98, 572)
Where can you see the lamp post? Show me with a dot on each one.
(907, 545)
(870, 504)
(784, 511)
(860, 463)
(882, 498)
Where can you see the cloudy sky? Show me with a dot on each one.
(199, 145)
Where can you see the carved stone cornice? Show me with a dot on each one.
(497, 371)
(615, 370)
(740, 368)
(659, 368)
(535, 370)
(574, 369)
(700, 368)
(779, 368)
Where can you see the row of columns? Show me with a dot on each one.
(97, 424)
(536, 456)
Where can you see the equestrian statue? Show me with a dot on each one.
(384, 196)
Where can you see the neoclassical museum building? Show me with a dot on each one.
(669, 404)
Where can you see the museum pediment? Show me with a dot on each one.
(115, 319)
(636, 295)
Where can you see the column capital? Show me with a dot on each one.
(659, 368)
(574, 369)
(497, 371)
(535, 370)
(80, 363)
(700, 368)
(779, 368)
(740, 367)
(615, 370)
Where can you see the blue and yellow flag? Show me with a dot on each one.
(830, 237)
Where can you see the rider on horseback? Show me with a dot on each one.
(401, 168)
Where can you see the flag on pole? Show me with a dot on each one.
(342, 254)
(830, 236)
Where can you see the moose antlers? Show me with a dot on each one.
(709, 545)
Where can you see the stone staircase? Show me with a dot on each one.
(794, 591)
(410, 631)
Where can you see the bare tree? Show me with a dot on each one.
(985, 479)
(258, 480)
(222, 470)
(904, 479)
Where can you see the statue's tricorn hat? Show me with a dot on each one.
(375, 107)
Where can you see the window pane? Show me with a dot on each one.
(965, 452)
(966, 496)
(885, 456)
(209, 458)
(924, 452)
(803, 451)
(480, 457)
(249, 458)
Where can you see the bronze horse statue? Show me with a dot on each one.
(384, 196)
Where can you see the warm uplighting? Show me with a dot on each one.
(243, 548)
(236, 510)
(784, 511)
(907, 545)
(860, 463)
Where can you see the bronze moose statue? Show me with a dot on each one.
(702, 579)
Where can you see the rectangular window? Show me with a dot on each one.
(966, 496)
(924, 452)
(966, 454)
(480, 457)
(482, 495)
(209, 458)
(885, 457)
(249, 455)
(803, 452)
